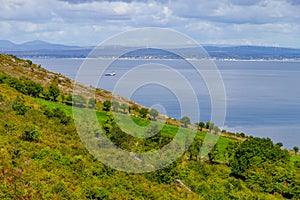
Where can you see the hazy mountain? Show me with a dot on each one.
(38, 48)
(6, 45)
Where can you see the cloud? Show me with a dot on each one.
(89, 22)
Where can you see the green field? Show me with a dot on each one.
(137, 126)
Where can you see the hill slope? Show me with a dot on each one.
(42, 156)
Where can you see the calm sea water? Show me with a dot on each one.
(263, 97)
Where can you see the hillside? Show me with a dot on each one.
(19, 68)
(42, 156)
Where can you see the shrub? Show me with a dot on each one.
(19, 106)
(48, 113)
(143, 112)
(53, 92)
(29, 62)
(185, 121)
(32, 88)
(78, 101)
(60, 114)
(31, 133)
(106, 105)
(154, 113)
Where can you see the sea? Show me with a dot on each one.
(259, 98)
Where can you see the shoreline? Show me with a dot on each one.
(193, 59)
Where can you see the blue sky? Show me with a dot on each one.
(88, 22)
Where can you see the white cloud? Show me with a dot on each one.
(88, 22)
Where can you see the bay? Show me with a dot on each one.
(262, 97)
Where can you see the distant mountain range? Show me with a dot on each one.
(38, 48)
(6, 45)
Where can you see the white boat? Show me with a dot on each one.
(110, 74)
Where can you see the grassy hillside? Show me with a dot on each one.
(42, 157)
(25, 69)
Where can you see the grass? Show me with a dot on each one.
(137, 127)
(295, 158)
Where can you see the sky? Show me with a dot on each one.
(88, 22)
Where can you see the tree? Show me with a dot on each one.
(253, 152)
(92, 103)
(115, 106)
(153, 113)
(280, 144)
(53, 92)
(194, 148)
(135, 108)
(230, 151)
(78, 101)
(32, 88)
(200, 125)
(69, 99)
(144, 112)
(106, 105)
(185, 121)
(209, 125)
(216, 129)
(123, 106)
(296, 149)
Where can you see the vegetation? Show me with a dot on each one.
(296, 149)
(153, 113)
(185, 121)
(42, 156)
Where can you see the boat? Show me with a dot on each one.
(110, 73)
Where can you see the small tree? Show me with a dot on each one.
(185, 121)
(279, 144)
(92, 103)
(201, 125)
(194, 148)
(32, 88)
(135, 108)
(209, 125)
(216, 129)
(123, 106)
(153, 113)
(106, 105)
(78, 101)
(144, 112)
(115, 106)
(296, 149)
(53, 92)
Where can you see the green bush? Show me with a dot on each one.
(19, 106)
(106, 105)
(32, 89)
(53, 92)
(31, 133)
(254, 152)
(144, 112)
